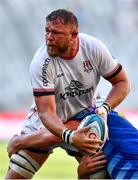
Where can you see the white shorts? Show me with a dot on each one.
(32, 124)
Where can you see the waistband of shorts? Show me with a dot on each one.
(85, 112)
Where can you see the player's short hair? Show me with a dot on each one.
(66, 16)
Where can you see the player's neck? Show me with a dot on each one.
(72, 50)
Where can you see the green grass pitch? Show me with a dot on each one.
(58, 166)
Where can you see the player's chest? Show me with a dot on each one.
(80, 71)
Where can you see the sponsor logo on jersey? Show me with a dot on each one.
(87, 65)
(44, 72)
(75, 89)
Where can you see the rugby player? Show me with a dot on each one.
(65, 72)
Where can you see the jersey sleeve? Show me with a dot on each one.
(41, 75)
(107, 65)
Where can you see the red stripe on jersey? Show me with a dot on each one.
(42, 90)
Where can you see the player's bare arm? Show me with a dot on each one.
(41, 138)
(47, 112)
(120, 89)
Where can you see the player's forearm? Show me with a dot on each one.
(52, 123)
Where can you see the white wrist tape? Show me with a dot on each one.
(102, 110)
(106, 106)
(67, 135)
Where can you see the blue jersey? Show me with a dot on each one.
(121, 149)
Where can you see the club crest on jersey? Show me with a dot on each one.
(87, 65)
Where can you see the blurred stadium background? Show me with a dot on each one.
(22, 23)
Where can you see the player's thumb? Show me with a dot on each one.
(86, 129)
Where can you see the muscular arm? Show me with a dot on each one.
(47, 113)
(39, 139)
(42, 139)
(120, 89)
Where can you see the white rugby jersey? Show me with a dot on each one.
(72, 81)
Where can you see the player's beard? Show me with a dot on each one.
(55, 51)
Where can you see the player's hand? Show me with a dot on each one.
(12, 147)
(102, 112)
(91, 164)
(84, 143)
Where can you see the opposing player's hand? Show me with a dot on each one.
(91, 164)
(12, 147)
(85, 144)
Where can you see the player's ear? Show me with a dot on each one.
(74, 34)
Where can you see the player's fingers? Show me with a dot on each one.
(94, 169)
(91, 150)
(98, 158)
(98, 163)
(92, 146)
(95, 151)
(99, 153)
(95, 148)
(93, 141)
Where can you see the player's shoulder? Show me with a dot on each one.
(41, 57)
(40, 54)
(86, 37)
(89, 40)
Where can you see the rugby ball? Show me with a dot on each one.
(98, 127)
